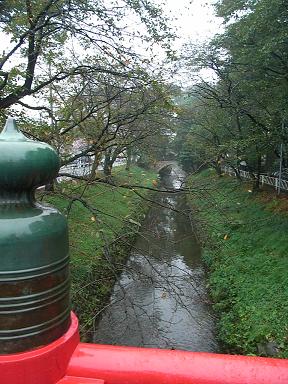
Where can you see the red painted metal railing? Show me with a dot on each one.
(118, 365)
(67, 361)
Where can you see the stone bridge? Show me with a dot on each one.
(161, 165)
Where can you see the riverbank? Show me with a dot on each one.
(103, 223)
(245, 245)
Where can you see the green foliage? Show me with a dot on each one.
(115, 116)
(41, 32)
(100, 242)
(239, 115)
(245, 248)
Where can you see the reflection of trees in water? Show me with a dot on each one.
(160, 298)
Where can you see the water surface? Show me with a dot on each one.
(160, 299)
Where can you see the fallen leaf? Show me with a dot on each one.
(134, 222)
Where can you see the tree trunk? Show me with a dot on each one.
(218, 170)
(129, 158)
(50, 187)
(95, 165)
(107, 164)
(256, 186)
(237, 172)
(217, 166)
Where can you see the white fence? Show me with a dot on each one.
(264, 179)
(84, 169)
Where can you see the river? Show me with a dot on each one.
(160, 299)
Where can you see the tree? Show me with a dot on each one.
(245, 101)
(41, 31)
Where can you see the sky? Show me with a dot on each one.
(193, 20)
(196, 23)
(196, 20)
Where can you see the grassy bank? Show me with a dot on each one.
(102, 227)
(246, 250)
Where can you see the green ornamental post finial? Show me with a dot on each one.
(34, 272)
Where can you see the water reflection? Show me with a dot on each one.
(160, 299)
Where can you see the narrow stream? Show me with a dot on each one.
(160, 299)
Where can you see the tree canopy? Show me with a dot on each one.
(76, 65)
(241, 115)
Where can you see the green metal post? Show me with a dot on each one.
(34, 271)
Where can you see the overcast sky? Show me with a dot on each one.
(196, 23)
(196, 19)
(193, 21)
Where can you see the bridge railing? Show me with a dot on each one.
(264, 179)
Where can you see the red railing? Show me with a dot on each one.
(66, 361)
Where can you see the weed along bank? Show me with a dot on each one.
(103, 223)
(244, 237)
(39, 337)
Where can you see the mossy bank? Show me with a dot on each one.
(244, 237)
(103, 222)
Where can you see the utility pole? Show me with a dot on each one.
(281, 161)
(50, 186)
(51, 101)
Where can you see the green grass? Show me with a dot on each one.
(246, 251)
(100, 236)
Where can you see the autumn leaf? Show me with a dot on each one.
(134, 222)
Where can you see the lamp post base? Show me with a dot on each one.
(45, 365)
